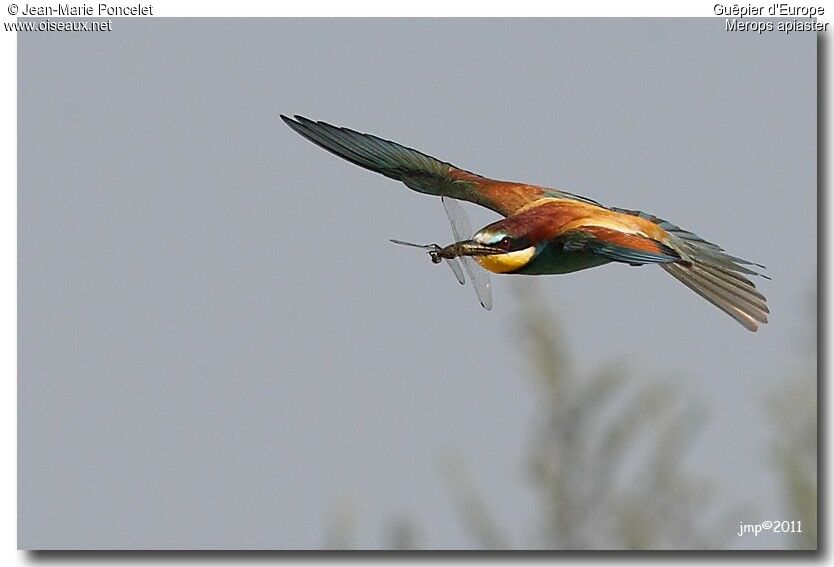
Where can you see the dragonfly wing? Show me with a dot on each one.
(455, 265)
(461, 227)
(480, 281)
(462, 230)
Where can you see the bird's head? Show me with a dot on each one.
(516, 248)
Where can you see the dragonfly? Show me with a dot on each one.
(460, 252)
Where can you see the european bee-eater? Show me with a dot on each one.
(549, 231)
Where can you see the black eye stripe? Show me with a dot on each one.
(505, 243)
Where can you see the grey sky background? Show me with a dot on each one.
(218, 346)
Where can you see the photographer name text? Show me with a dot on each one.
(86, 10)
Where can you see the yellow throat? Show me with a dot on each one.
(509, 262)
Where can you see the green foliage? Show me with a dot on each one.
(470, 504)
(607, 460)
(608, 457)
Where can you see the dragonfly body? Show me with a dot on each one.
(549, 231)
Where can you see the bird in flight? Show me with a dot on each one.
(549, 231)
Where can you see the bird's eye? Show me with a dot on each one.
(505, 243)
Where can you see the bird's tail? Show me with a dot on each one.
(718, 277)
(709, 271)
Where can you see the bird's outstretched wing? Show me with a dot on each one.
(618, 246)
(422, 172)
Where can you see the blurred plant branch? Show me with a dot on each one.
(609, 453)
(606, 458)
